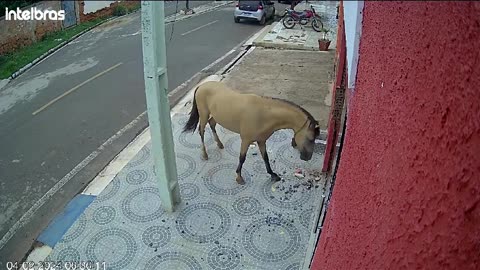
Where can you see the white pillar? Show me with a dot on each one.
(158, 108)
(353, 13)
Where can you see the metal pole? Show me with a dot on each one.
(158, 107)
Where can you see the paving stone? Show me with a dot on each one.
(218, 225)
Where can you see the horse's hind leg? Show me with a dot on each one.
(263, 150)
(212, 124)
(203, 123)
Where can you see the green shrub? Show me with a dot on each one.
(119, 10)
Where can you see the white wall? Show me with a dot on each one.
(92, 6)
(353, 14)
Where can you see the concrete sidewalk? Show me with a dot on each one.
(218, 225)
(301, 37)
(303, 77)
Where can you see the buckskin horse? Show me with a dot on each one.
(252, 116)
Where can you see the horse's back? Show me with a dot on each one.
(216, 92)
(213, 89)
(225, 105)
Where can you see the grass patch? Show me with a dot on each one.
(12, 62)
(119, 10)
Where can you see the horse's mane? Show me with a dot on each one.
(309, 116)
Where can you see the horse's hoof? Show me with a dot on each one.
(220, 145)
(240, 180)
(276, 178)
(205, 157)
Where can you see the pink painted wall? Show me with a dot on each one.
(407, 194)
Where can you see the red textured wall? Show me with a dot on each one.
(408, 187)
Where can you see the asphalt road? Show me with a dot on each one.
(38, 148)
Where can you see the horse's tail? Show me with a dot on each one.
(192, 122)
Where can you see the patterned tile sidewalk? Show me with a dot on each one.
(218, 225)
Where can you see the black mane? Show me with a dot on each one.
(309, 116)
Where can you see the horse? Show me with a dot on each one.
(252, 116)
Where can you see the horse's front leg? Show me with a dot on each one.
(243, 155)
(263, 150)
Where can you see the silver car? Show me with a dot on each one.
(259, 10)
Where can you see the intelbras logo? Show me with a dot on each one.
(34, 14)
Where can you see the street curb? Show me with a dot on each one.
(270, 45)
(258, 35)
(261, 34)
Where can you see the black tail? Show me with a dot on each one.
(192, 122)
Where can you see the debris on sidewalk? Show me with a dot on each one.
(187, 11)
(316, 175)
(299, 174)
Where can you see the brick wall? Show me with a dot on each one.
(16, 34)
(103, 12)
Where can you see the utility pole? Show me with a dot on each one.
(158, 107)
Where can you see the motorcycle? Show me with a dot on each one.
(292, 17)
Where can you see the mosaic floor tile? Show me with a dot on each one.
(218, 225)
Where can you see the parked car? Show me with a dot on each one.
(259, 10)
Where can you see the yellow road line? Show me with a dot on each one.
(75, 88)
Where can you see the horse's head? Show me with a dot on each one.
(304, 139)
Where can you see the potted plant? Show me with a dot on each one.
(324, 42)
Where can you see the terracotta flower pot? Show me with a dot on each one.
(323, 44)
